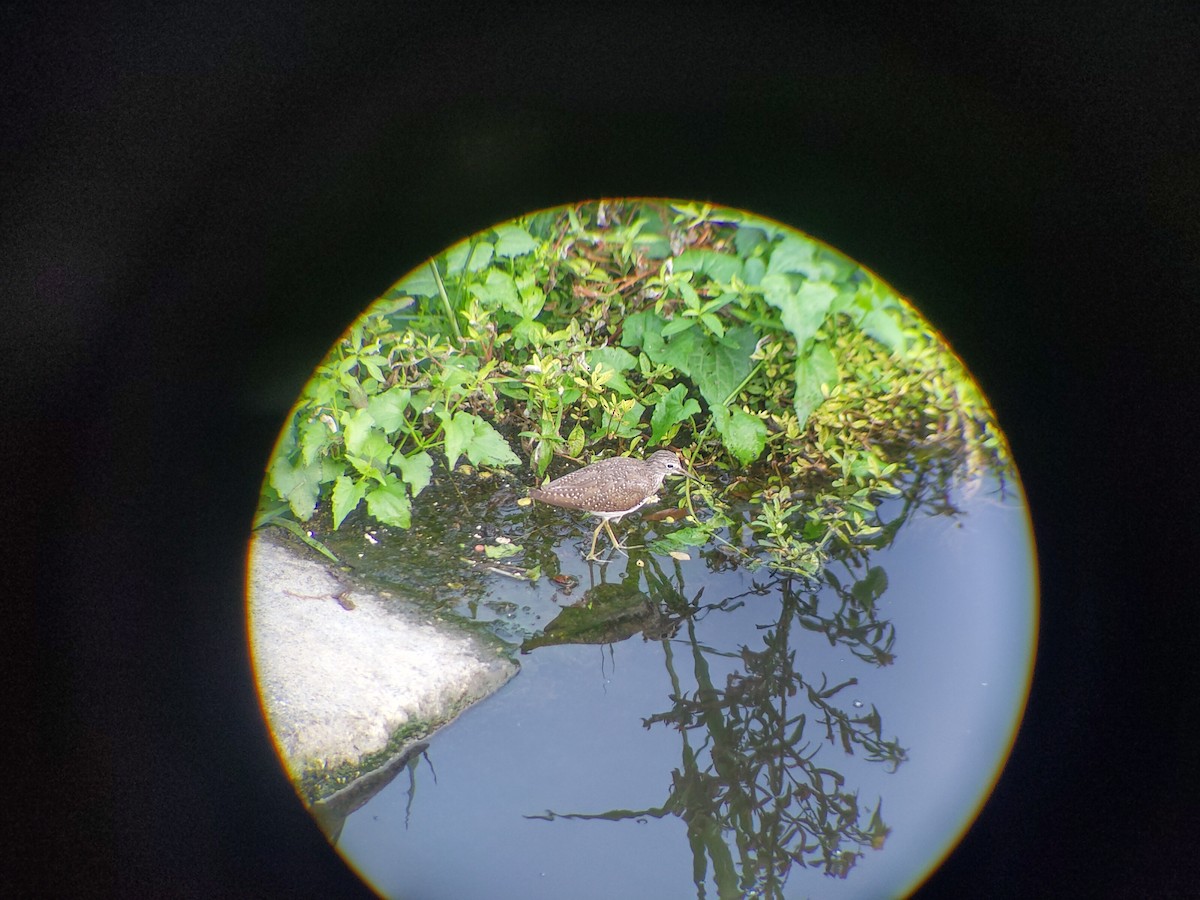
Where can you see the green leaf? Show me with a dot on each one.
(716, 365)
(455, 377)
(681, 539)
(714, 324)
(615, 361)
(747, 238)
(498, 291)
(644, 330)
(880, 325)
(792, 254)
(627, 424)
(305, 537)
(753, 271)
(533, 298)
(347, 493)
(802, 309)
(474, 256)
(575, 440)
(459, 430)
(678, 325)
(419, 283)
(743, 435)
(502, 551)
(672, 409)
(298, 485)
(387, 409)
(802, 256)
(528, 333)
(482, 444)
(720, 267)
(357, 426)
(816, 369)
(371, 455)
(390, 504)
(612, 357)
(314, 437)
(416, 470)
(488, 447)
(513, 240)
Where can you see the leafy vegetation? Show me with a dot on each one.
(790, 377)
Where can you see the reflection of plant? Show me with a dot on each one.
(751, 790)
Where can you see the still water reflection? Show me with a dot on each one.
(731, 733)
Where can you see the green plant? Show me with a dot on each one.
(628, 325)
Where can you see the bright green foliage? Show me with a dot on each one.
(625, 326)
(672, 409)
(480, 442)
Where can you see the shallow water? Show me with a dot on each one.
(743, 725)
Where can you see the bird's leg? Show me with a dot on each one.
(596, 534)
(617, 545)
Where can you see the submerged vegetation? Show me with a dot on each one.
(791, 378)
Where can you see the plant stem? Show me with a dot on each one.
(446, 303)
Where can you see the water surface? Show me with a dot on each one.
(581, 776)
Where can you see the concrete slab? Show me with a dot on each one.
(341, 669)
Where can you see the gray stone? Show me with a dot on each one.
(337, 682)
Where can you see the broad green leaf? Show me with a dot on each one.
(455, 376)
(357, 426)
(372, 455)
(615, 361)
(644, 330)
(717, 365)
(690, 298)
(743, 435)
(347, 493)
(488, 447)
(653, 246)
(314, 436)
(792, 254)
(613, 357)
(298, 485)
(374, 365)
(513, 240)
(816, 369)
(415, 470)
(529, 333)
(803, 308)
(390, 504)
(681, 538)
(483, 445)
(720, 267)
(420, 283)
(800, 256)
(881, 325)
(498, 291)
(474, 256)
(747, 238)
(387, 409)
(753, 271)
(459, 430)
(671, 409)
(533, 299)
(502, 551)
